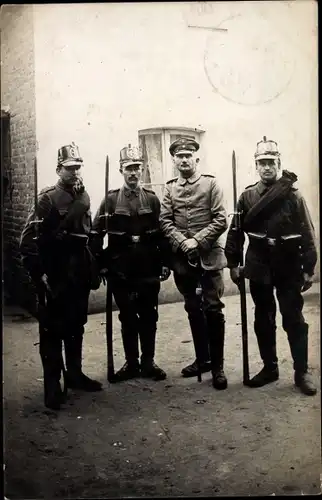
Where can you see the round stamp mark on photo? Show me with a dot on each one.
(249, 63)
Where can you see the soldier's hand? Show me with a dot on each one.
(307, 282)
(188, 245)
(235, 274)
(165, 273)
(44, 280)
(103, 274)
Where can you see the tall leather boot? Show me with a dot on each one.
(50, 350)
(266, 339)
(149, 369)
(200, 340)
(130, 339)
(76, 379)
(298, 340)
(216, 335)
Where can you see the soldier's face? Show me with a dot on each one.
(132, 174)
(69, 175)
(185, 163)
(269, 170)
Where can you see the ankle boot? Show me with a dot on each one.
(268, 374)
(305, 383)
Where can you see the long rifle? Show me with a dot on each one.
(108, 305)
(241, 285)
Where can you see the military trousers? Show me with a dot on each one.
(290, 302)
(137, 301)
(204, 310)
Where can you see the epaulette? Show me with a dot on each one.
(110, 191)
(208, 175)
(47, 189)
(148, 190)
(172, 180)
(251, 185)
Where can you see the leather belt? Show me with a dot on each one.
(79, 238)
(272, 242)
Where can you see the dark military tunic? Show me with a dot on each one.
(267, 263)
(61, 253)
(135, 242)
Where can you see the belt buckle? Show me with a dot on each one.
(271, 242)
(135, 238)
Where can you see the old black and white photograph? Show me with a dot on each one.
(160, 249)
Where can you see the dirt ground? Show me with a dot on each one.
(172, 438)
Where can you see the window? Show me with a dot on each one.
(158, 166)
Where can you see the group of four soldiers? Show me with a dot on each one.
(65, 257)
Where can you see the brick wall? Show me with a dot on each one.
(18, 93)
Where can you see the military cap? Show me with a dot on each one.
(266, 150)
(131, 155)
(69, 155)
(183, 145)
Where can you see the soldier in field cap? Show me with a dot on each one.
(183, 145)
(136, 263)
(281, 255)
(60, 263)
(193, 219)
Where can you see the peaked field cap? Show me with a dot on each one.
(266, 150)
(184, 145)
(130, 155)
(69, 155)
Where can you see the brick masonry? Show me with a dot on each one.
(18, 93)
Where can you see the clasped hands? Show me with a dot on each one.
(190, 247)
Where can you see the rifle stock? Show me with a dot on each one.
(242, 285)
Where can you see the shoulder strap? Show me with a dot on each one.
(271, 201)
(79, 206)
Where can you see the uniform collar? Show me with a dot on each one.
(65, 187)
(191, 180)
(262, 188)
(128, 191)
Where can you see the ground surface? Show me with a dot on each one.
(172, 438)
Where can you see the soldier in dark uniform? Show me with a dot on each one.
(193, 220)
(134, 260)
(60, 264)
(281, 255)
